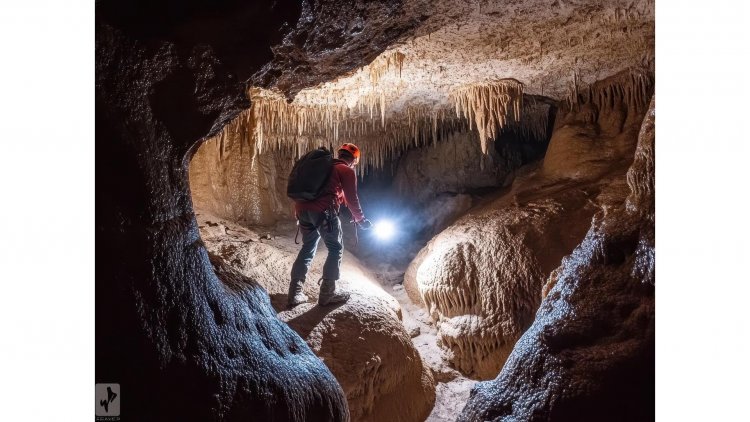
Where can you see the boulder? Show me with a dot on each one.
(366, 347)
(481, 278)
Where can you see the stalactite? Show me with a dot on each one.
(534, 122)
(290, 125)
(632, 88)
(393, 60)
(488, 105)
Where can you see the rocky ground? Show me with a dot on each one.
(452, 388)
(266, 253)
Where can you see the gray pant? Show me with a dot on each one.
(313, 225)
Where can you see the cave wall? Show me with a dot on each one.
(453, 165)
(589, 355)
(456, 165)
(186, 337)
(482, 278)
(230, 180)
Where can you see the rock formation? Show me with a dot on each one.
(589, 355)
(449, 166)
(362, 342)
(182, 340)
(438, 182)
(231, 180)
(482, 278)
(366, 347)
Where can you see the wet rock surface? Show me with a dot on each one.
(589, 355)
(180, 337)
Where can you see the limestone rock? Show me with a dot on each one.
(641, 175)
(438, 183)
(366, 347)
(482, 278)
(452, 165)
(441, 211)
(589, 355)
(229, 180)
(592, 136)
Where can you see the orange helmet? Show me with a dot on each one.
(352, 149)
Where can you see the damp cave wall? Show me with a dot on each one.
(186, 337)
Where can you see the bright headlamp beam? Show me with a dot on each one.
(384, 229)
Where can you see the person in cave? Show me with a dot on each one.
(320, 218)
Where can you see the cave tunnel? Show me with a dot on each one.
(507, 146)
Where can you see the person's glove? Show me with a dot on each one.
(365, 224)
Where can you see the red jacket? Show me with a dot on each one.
(341, 189)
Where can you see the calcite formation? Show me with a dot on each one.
(489, 106)
(457, 164)
(482, 278)
(232, 180)
(589, 355)
(478, 61)
(480, 64)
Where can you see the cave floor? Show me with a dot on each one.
(220, 235)
(452, 388)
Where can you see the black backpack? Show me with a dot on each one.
(310, 175)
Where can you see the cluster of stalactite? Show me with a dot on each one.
(275, 123)
(633, 87)
(534, 121)
(489, 106)
(314, 120)
(384, 63)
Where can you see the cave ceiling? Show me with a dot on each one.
(549, 46)
(436, 68)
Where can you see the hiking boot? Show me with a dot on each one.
(296, 296)
(328, 294)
